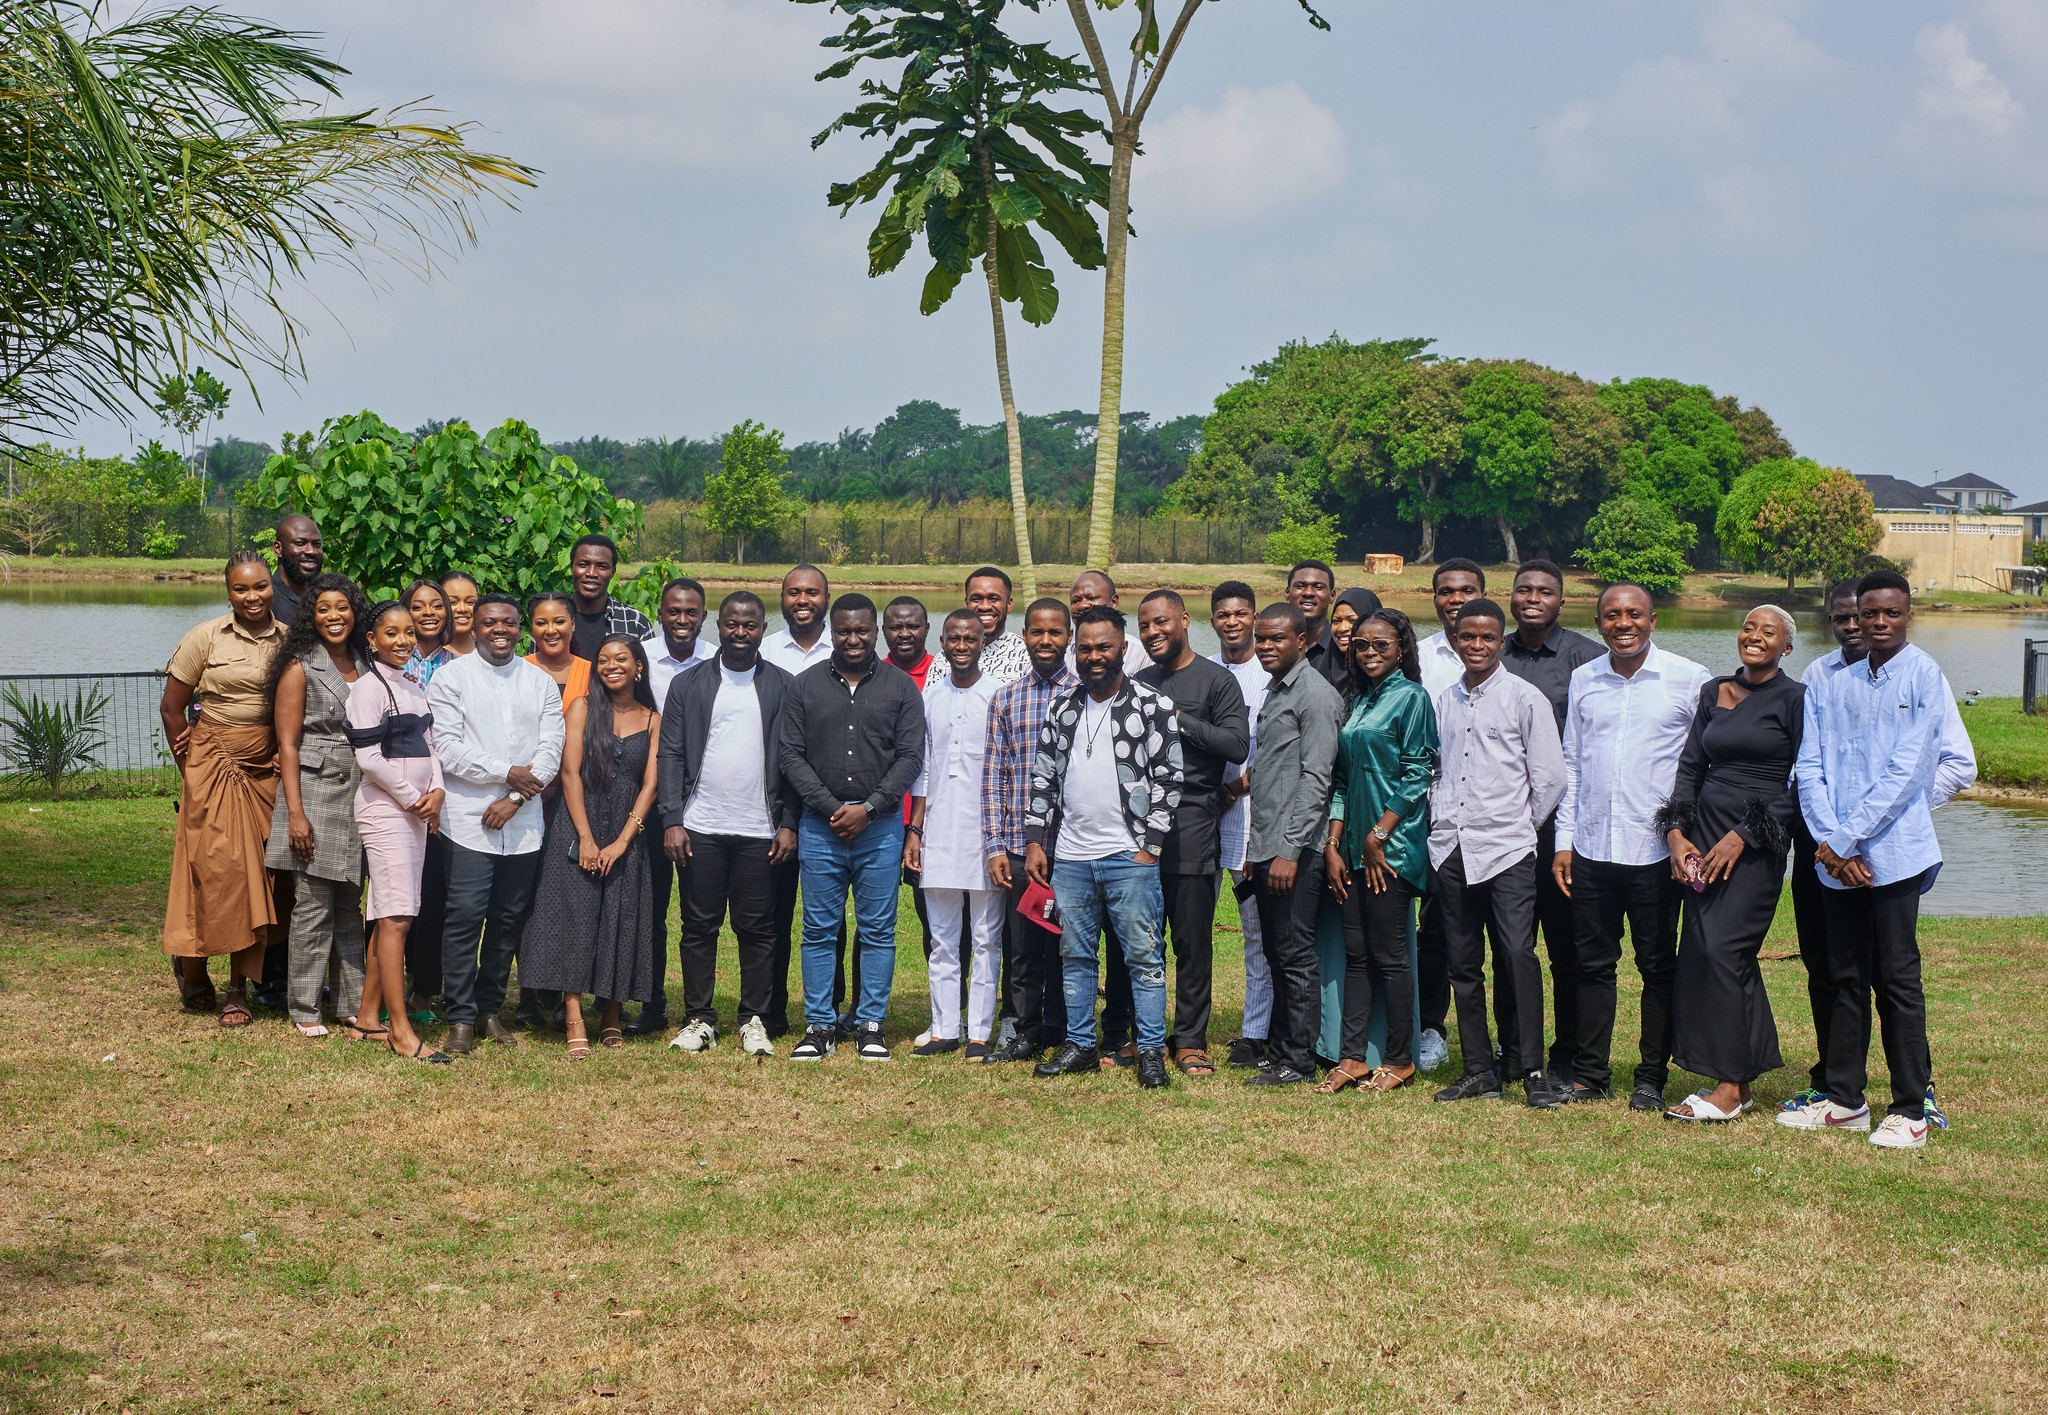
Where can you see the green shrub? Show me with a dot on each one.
(1640, 539)
(49, 741)
(1294, 541)
(160, 542)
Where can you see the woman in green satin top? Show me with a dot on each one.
(1386, 758)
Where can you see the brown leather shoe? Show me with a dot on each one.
(498, 1032)
(461, 1039)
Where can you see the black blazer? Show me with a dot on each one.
(686, 726)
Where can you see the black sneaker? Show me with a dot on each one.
(870, 1046)
(1646, 1097)
(1246, 1052)
(1275, 1073)
(980, 1051)
(1581, 1093)
(843, 1030)
(1152, 1068)
(1070, 1060)
(270, 999)
(1017, 1048)
(1543, 1093)
(938, 1046)
(818, 1043)
(1480, 1086)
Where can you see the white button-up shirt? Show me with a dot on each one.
(663, 666)
(1441, 665)
(1867, 759)
(1956, 769)
(1499, 773)
(955, 748)
(1236, 825)
(1622, 741)
(792, 657)
(487, 720)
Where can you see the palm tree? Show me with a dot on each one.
(161, 178)
(962, 168)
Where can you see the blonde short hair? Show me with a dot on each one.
(1785, 620)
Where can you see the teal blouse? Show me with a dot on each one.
(1386, 759)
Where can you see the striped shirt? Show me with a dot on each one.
(1015, 718)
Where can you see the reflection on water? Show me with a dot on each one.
(1992, 855)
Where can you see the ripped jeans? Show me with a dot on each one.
(1126, 896)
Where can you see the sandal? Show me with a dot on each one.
(612, 1037)
(1386, 1079)
(1195, 1062)
(579, 1046)
(419, 1052)
(234, 1011)
(421, 1011)
(1344, 1073)
(310, 1030)
(357, 1032)
(1698, 1110)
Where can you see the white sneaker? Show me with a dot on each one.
(754, 1038)
(1824, 1114)
(1895, 1132)
(1006, 1033)
(697, 1036)
(1433, 1051)
(923, 1037)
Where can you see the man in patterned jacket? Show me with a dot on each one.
(1104, 786)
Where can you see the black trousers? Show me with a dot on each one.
(1287, 928)
(488, 899)
(1810, 918)
(1560, 942)
(1432, 973)
(423, 939)
(1506, 903)
(665, 881)
(727, 873)
(1376, 962)
(1874, 945)
(1605, 897)
(1031, 959)
(1191, 922)
(284, 886)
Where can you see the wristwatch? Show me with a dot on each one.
(1380, 834)
(869, 807)
(516, 798)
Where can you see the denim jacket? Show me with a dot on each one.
(1146, 741)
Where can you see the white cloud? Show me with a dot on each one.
(1959, 87)
(1258, 154)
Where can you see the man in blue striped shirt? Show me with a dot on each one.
(1867, 760)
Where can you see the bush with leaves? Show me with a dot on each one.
(1793, 517)
(160, 542)
(745, 498)
(500, 507)
(50, 740)
(1295, 541)
(1638, 539)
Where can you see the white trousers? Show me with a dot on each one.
(1258, 977)
(954, 912)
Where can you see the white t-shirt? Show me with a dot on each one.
(1251, 681)
(1092, 823)
(1441, 665)
(732, 784)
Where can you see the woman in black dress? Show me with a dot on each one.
(592, 913)
(1733, 790)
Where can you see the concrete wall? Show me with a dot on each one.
(1953, 552)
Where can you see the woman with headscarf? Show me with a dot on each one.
(222, 899)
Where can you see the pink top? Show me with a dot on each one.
(400, 779)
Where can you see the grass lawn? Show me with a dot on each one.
(194, 1220)
(2012, 748)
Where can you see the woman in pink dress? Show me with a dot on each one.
(398, 802)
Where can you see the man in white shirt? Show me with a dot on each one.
(1499, 776)
(677, 644)
(1452, 583)
(962, 906)
(1233, 610)
(730, 821)
(805, 639)
(1004, 659)
(1630, 710)
(498, 734)
(1093, 587)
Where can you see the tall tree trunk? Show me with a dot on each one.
(1426, 552)
(1020, 511)
(1109, 415)
(1507, 537)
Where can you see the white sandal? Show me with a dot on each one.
(310, 1029)
(1703, 1111)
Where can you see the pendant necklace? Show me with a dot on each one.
(1096, 730)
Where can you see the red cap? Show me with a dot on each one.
(1039, 907)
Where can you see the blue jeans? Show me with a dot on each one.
(869, 865)
(1127, 896)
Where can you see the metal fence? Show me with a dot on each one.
(95, 734)
(180, 532)
(2034, 658)
(860, 535)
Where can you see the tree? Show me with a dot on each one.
(1684, 449)
(745, 497)
(187, 404)
(1150, 58)
(976, 159)
(1794, 517)
(165, 176)
(1640, 539)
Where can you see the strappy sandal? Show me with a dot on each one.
(1195, 1062)
(612, 1037)
(579, 1046)
(234, 1010)
(357, 1032)
(1344, 1073)
(1386, 1079)
(421, 1011)
(310, 1030)
(419, 1052)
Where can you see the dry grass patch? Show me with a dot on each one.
(199, 1220)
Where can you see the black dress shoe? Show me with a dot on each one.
(1646, 1097)
(271, 998)
(1246, 1052)
(1152, 1068)
(647, 1023)
(461, 1039)
(1480, 1086)
(1582, 1093)
(498, 1032)
(1070, 1060)
(1018, 1048)
(1277, 1073)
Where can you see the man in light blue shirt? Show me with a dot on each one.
(1867, 767)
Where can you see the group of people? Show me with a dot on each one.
(1066, 801)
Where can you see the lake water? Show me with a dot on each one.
(1994, 850)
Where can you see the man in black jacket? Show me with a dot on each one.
(1215, 731)
(730, 818)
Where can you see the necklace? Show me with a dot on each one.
(1096, 730)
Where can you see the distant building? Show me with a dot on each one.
(1971, 492)
(2035, 519)
(1954, 534)
(1897, 494)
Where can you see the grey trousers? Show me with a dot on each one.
(326, 936)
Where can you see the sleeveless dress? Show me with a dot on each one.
(327, 783)
(590, 933)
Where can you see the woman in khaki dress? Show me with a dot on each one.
(222, 899)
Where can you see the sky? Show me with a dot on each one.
(1838, 212)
